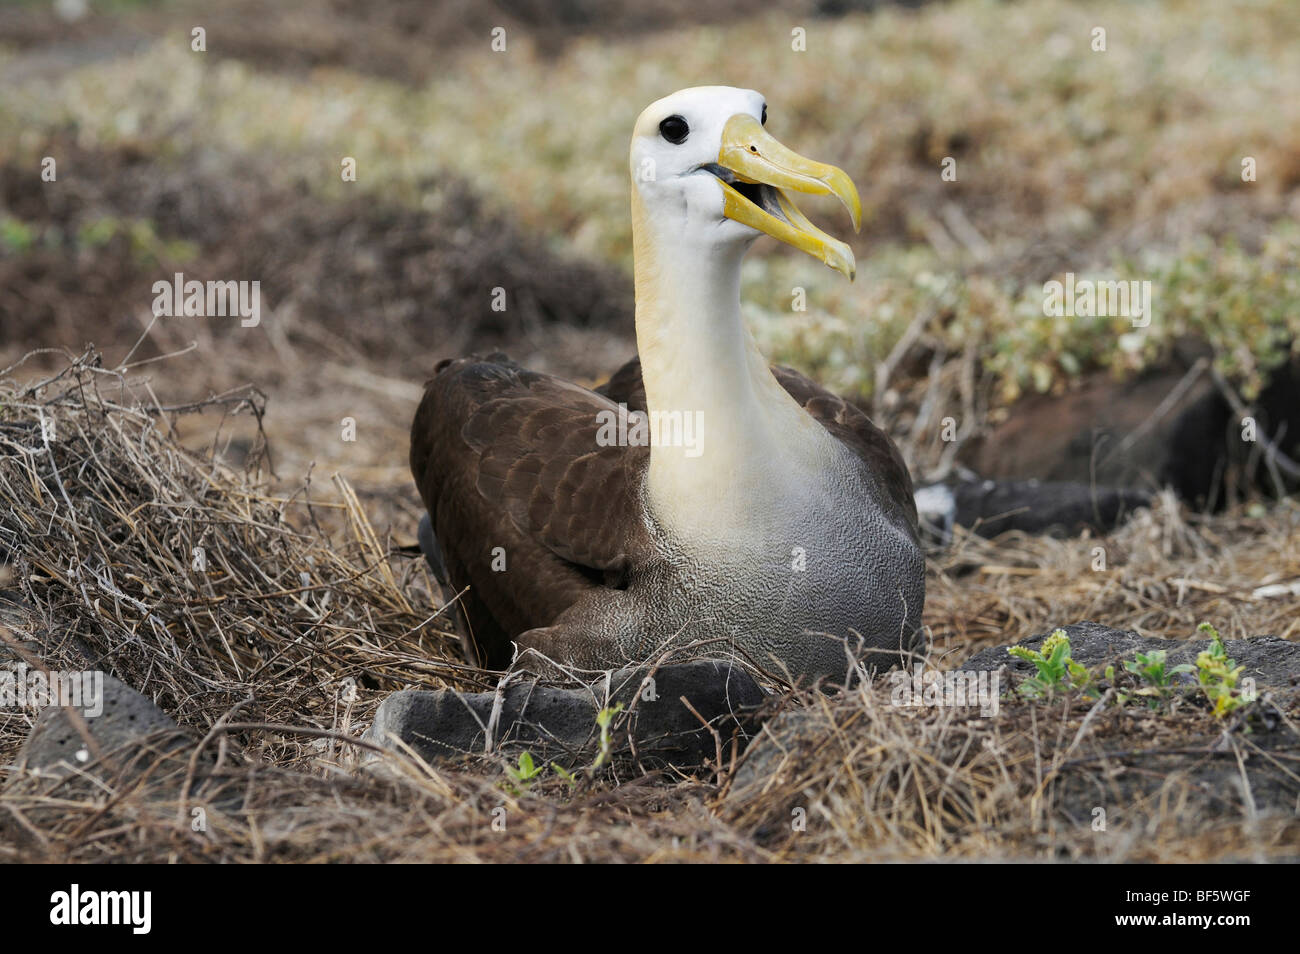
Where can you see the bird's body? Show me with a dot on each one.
(763, 517)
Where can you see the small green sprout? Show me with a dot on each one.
(605, 719)
(1218, 674)
(524, 774)
(522, 777)
(1057, 672)
(1155, 674)
(565, 774)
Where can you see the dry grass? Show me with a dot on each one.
(1160, 574)
(251, 656)
(876, 782)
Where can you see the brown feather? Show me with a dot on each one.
(505, 457)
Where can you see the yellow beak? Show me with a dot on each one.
(753, 157)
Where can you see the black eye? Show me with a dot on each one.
(675, 130)
(764, 119)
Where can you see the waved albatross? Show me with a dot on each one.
(783, 530)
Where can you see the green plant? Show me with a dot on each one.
(1155, 675)
(1218, 674)
(524, 775)
(1057, 672)
(565, 774)
(604, 720)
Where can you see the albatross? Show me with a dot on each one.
(782, 532)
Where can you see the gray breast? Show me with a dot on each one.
(793, 590)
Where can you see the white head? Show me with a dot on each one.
(706, 173)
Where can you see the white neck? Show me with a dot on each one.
(757, 445)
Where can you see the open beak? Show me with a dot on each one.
(758, 174)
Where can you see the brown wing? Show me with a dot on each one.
(508, 458)
(626, 387)
(843, 419)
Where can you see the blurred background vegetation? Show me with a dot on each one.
(479, 167)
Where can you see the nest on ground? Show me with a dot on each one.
(270, 626)
(190, 581)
